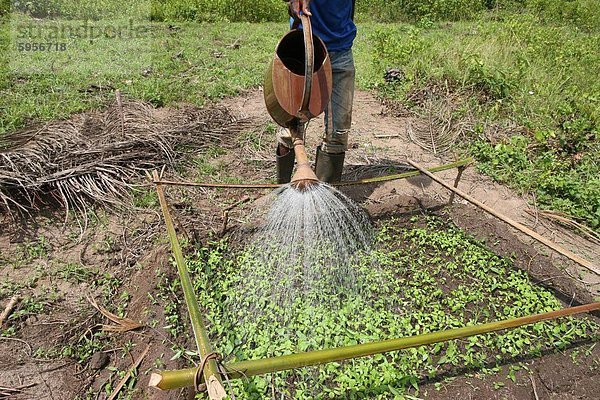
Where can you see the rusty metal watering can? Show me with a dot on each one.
(297, 88)
(298, 81)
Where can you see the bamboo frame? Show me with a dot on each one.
(181, 378)
(572, 256)
(212, 376)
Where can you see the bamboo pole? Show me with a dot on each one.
(574, 257)
(220, 185)
(214, 386)
(376, 179)
(185, 377)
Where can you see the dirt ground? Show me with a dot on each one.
(126, 256)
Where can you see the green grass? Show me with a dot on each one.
(581, 13)
(162, 65)
(528, 90)
(416, 280)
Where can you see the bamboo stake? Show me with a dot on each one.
(461, 169)
(220, 185)
(574, 257)
(185, 377)
(215, 388)
(376, 179)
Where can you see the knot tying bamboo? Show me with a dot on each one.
(201, 387)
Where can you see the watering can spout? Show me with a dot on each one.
(304, 177)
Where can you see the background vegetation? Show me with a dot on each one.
(525, 87)
(523, 74)
(582, 13)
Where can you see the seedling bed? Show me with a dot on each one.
(423, 275)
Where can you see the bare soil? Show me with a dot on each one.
(131, 248)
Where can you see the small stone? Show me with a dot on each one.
(99, 360)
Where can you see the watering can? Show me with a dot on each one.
(298, 81)
(297, 87)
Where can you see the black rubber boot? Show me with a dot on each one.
(328, 166)
(285, 166)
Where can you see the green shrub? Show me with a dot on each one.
(493, 83)
(185, 10)
(398, 10)
(92, 10)
(584, 14)
(4, 7)
(561, 183)
(397, 46)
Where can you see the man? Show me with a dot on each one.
(332, 21)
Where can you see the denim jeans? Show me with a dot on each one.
(338, 114)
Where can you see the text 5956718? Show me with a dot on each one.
(27, 46)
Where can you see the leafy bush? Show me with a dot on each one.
(4, 7)
(560, 183)
(581, 13)
(219, 10)
(491, 82)
(397, 46)
(584, 14)
(398, 10)
(92, 10)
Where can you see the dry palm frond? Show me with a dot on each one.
(122, 324)
(96, 157)
(436, 129)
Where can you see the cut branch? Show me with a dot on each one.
(124, 380)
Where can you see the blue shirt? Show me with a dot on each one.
(332, 21)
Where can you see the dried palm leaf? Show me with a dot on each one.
(122, 324)
(96, 157)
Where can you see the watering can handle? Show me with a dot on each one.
(308, 66)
